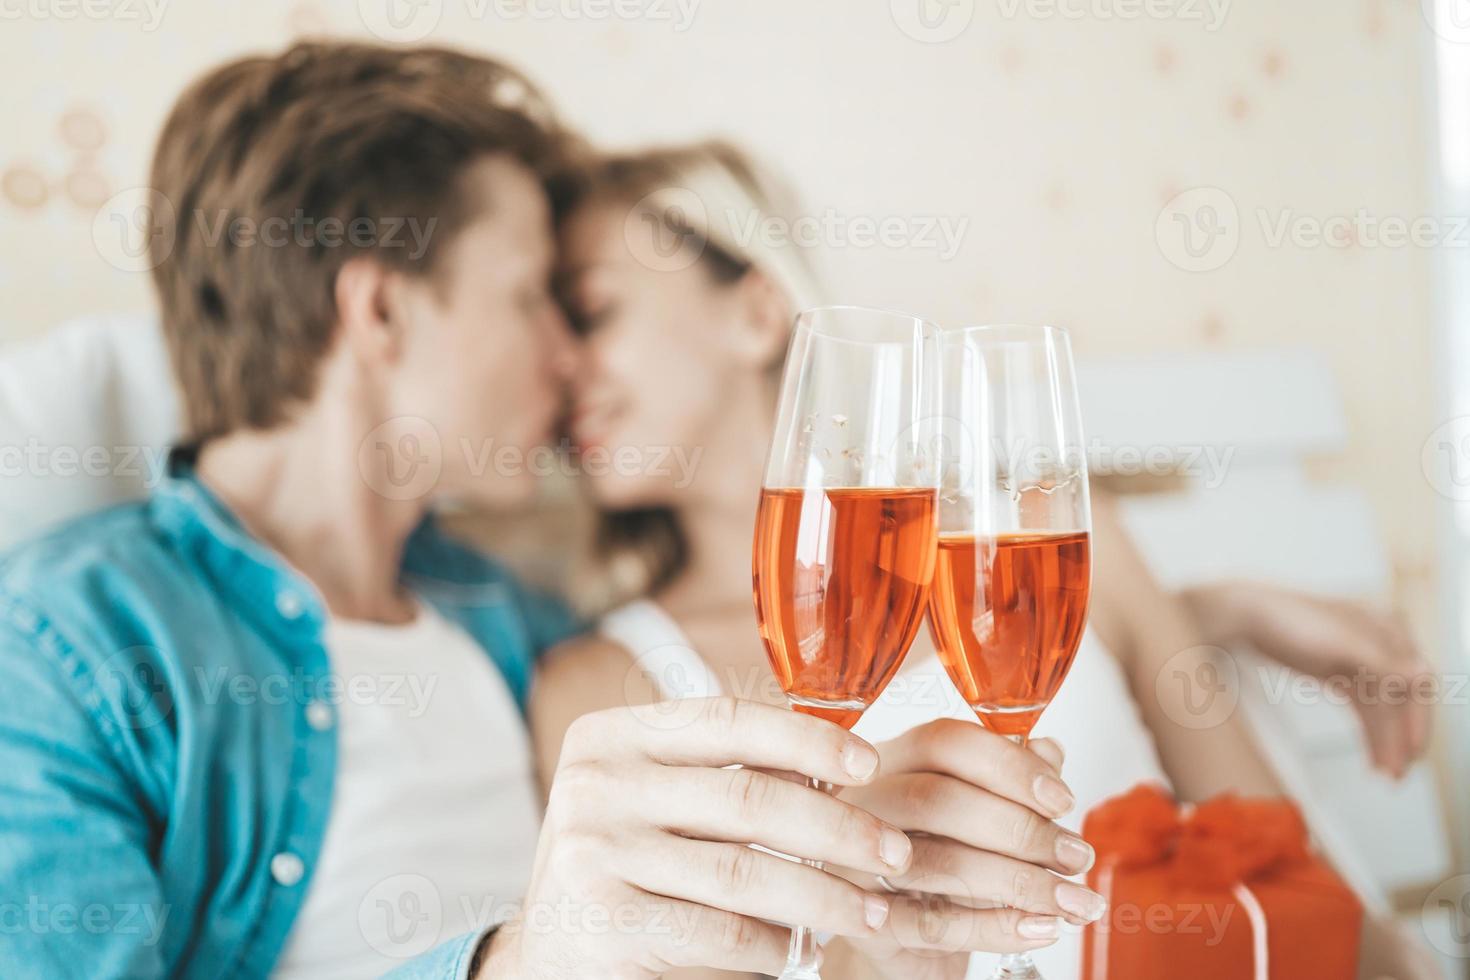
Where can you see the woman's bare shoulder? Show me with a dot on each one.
(591, 672)
(582, 675)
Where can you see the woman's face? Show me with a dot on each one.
(661, 356)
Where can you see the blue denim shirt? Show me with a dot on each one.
(166, 749)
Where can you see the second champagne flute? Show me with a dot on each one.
(1009, 601)
(845, 536)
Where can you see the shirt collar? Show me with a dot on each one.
(275, 596)
(243, 570)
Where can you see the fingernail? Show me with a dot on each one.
(1053, 794)
(859, 760)
(1084, 903)
(1039, 927)
(1074, 853)
(875, 911)
(894, 847)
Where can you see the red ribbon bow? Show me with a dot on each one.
(1218, 844)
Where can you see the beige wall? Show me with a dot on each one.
(1058, 139)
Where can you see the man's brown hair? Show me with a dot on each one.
(276, 170)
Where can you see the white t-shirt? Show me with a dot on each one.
(435, 810)
(1109, 750)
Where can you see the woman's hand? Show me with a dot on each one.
(642, 865)
(989, 864)
(1365, 652)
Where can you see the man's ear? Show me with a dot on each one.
(370, 309)
(767, 322)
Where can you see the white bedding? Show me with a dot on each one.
(86, 413)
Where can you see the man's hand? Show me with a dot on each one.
(642, 864)
(1367, 651)
(988, 860)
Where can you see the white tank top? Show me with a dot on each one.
(1109, 751)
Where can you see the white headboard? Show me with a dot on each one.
(86, 412)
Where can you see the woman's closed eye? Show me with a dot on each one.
(585, 320)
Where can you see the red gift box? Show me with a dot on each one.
(1227, 890)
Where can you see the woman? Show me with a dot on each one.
(685, 316)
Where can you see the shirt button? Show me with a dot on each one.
(319, 715)
(287, 869)
(289, 604)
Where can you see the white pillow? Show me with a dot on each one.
(87, 412)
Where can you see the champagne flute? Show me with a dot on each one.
(1009, 600)
(845, 535)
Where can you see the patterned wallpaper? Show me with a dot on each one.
(1030, 158)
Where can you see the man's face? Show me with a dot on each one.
(485, 347)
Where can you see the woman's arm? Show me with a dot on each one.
(1368, 652)
(576, 678)
(1203, 742)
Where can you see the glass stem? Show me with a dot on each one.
(805, 957)
(1016, 966)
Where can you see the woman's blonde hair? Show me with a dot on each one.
(736, 217)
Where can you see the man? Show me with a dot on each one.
(353, 279)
